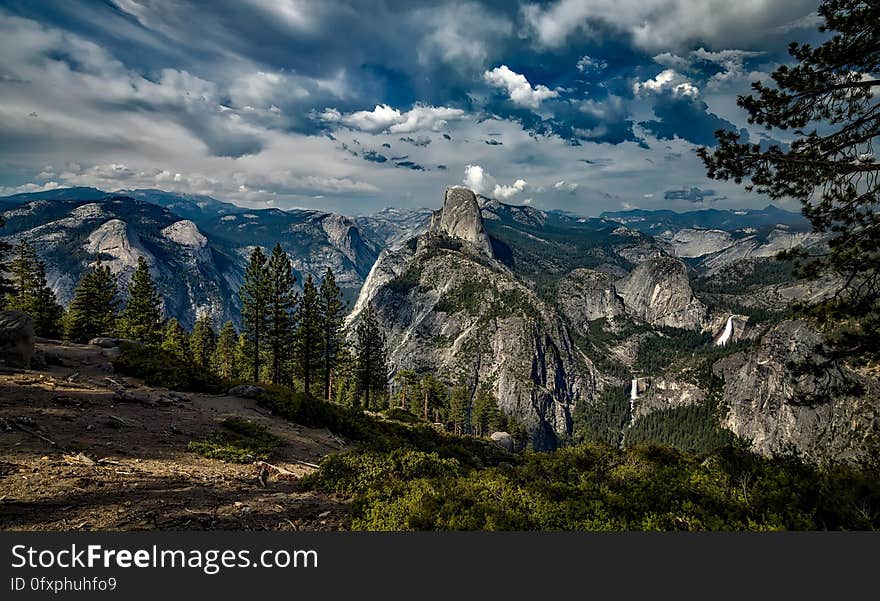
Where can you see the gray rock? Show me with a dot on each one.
(467, 317)
(246, 391)
(585, 295)
(16, 339)
(503, 440)
(108, 342)
(659, 292)
(460, 218)
(38, 361)
(826, 412)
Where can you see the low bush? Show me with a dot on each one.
(157, 367)
(239, 441)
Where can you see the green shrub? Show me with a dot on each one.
(240, 441)
(159, 368)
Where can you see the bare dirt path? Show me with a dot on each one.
(85, 449)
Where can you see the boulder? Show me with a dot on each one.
(16, 339)
(108, 342)
(503, 440)
(246, 391)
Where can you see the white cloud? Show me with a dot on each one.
(665, 24)
(588, 64)
(477, 179)
(387, 118)
(505, 192)
(518, 87)
(667, 80)
(481, 181)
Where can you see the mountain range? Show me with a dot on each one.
(633, 325)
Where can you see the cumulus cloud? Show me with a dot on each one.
(729, 64)
(664, 24)
(518, 87)
(387, 118)
(481, 181)
(667, 80)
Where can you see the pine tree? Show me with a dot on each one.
(22, 269)
(333, 308)
(282, 302)
(31, 294)
(142, 317)
(175, 340)
(434, 397)
(203, 341)
(407, 383)
(371, 358)
(828, 100)
(460, 410)
(244, 364)
(307, 345)
(255, 309)
(223, 359)
(46, 313)
(486, 415)
(92, 310)
(5, 284)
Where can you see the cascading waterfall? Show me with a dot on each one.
(726, 334)
(634, 390)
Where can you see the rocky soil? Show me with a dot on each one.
(82, 448)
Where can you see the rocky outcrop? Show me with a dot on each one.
(585, 295)
(460, 218)
(786, 396)
(697, 243)
(454, 311)
(658, 394)
(16, 339)
(658, 292)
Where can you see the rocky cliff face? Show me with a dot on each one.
(585, 295)
(70, 235)
(824, 412)
(448, 307)
(658, 292)
(460, 218)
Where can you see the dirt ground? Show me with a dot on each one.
(82, 448)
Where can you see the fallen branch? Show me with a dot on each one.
(32, 433)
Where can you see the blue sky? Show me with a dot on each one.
(351, 106)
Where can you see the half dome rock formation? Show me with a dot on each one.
(448, 308)
(659, 292)
(460, 218)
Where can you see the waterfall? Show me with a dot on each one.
(634, 390)
(725, 335)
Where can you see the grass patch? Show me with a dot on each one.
(240, 441)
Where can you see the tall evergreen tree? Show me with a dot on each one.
(308, 343)
(31, 294)
(371, 358)
(92, 311)
(5, 285)
(223, 358)
(460, 410)
(486, 416)
(142, 317)
(175, 340)
(46, 313)
(22, 270)
(434, 397)
(255, 309)
(333, 308)
(281, 303)
(203, 341)
(828, 101)
(244, 364)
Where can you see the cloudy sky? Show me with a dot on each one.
(583, 105)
